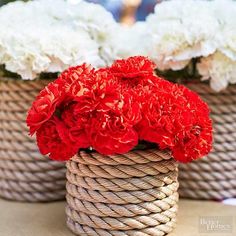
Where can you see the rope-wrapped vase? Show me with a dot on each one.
(25, 175)
(214, 176)
(126, 195)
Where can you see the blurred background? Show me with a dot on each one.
(126, 11)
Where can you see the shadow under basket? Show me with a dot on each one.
(130, 194)
(214, 176)
(25, 175)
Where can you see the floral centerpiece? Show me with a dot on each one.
(121, 130)
(194, 44)
(39, 41)
(37, 36)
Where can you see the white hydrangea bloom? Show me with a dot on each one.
(181, 30)
(39, 37)
(219, 69)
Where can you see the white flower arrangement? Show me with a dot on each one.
(219, 69)
(182, 30)
(39, 37)
(131, 40)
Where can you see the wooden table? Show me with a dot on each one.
(24, 219)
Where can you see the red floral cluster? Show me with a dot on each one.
(112, 109)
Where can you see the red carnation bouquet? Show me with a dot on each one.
(115, 109)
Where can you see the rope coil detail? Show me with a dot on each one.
(113, 195)
(214, 177)
(25, 175)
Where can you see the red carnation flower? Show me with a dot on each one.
(57, 92)
(77, 123)
(195, 138)
(110, 134)
(112, 109)
(158, 109)
(133, 71)
(45, 105)
(177, 119)
(76, 74)
(133, 67)
(53, 139)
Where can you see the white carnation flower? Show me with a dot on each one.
(98, 23)
(39, 37)
(181, 30)
(219, 69)
(225, 11)
(131, 40)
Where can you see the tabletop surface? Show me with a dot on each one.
(48, 219)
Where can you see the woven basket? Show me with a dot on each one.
(25, 175)
(214, 177)
(131, 194)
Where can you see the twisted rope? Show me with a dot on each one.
(158, 230)
(130, 194)
(33, 196)
(32, 166)
(205, 166)
(118, 184)
(130, 158)
(20, 156)
(188, 174)
(220, 185)
(13, 135)
(219, 156)
(14, 125)
(122, 223)
(127, 210)
(32, 187)
(207, 194)
(25, 175)
(123, 197)
(214, 177)
(122, 170)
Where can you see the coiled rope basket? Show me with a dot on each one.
(25, 175)
(214, 176)
(125, 195)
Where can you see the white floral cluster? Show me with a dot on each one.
(131, 40)
(181, 30)
(38, 36)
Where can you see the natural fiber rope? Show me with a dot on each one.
(113, 195)
(109, 171)
(127, 210)
(220, 185)
(25, 175)
(199, 166)
(32, 187)
(207, 194)
(118, 184)
(214, 177)
(20, 156)
(29, 165)
(12, 136)
(222, 119)
(219, 156)
(122, 197)
(130, 158)
(122, 223)
(195, 176)
(33, 196)
(159, 230)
